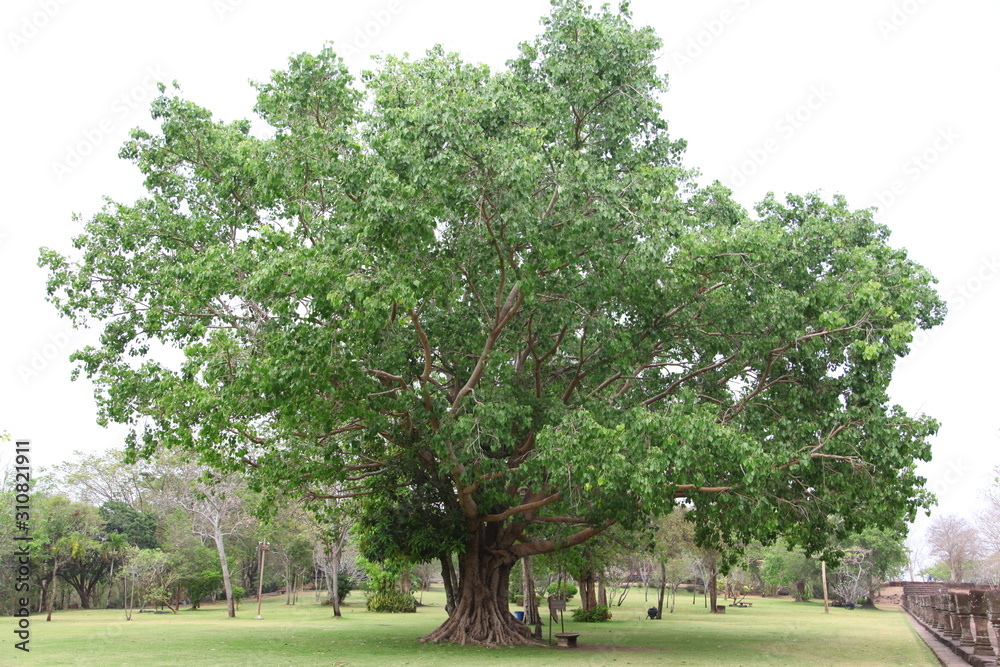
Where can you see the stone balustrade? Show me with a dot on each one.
(959, 619)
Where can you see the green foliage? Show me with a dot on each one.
(345, 584)
(201, 585)
(564, 590)
(138, 528)
(497, 293)
(391, 601)
(596, 614)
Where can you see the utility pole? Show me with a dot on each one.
(260, 578)
(826, 597)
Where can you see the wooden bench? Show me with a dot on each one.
(567, 639)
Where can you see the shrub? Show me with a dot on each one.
(517, 599)
(563, 590)
(597, 614)
(391, 602)
(202, 584)
(238, 594)
(345, 584)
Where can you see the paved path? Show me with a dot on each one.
(944, 654)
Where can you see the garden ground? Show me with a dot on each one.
(773, 632)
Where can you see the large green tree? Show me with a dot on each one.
(501, 294)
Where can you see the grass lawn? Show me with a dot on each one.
(775, 631)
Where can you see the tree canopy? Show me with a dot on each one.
(502, 296)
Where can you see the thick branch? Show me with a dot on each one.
(522, 508)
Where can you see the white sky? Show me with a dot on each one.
(859, 97)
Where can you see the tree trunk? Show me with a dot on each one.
(588, 592)
(289, 583)
(83, 593)
(482, 614)
(52, 588)
(404, 581)
(227, 581)
(800, 591)
(335, 575)
(111, 584)
(713, 593)
(450, 584)
(531, 615)
(663, 588)
(602, 592)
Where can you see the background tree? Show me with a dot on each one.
(849, 581)
(501, 294)
(673, 550)
(107, 478)
(152, 576)
(790, 568)
(136, 527)
(886, 557)
(289, 530)
(217, 511)
(954, 540)
(988, 519)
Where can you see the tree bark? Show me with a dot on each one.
(713, 593)
(588, 592)
(83, 593)
(531, 615)
(450, 584)
(800, 591)
(227, 581)
(335, 575)
(602, 592)
(289, 583)
(482, 613)
(663, 588)
(52, 588)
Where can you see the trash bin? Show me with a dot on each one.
(519, 615)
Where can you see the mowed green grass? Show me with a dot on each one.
(775, 631)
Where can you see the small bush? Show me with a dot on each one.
(345, 584)
(563, 590)
(238, 594)
(392, 602)
(517, 599)
(598, 614)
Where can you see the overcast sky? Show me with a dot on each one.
(890, 102)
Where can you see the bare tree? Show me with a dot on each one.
(217, 511)
(916, 557)
(98, 478)
(955, 541)
(988, 521)
(849, 580)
